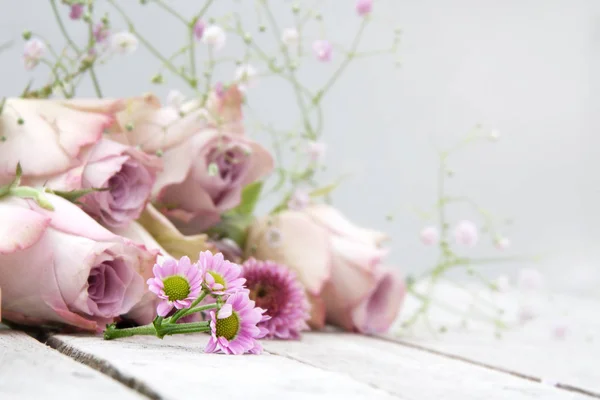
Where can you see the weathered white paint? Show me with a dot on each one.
(464, 363)
(533, 348)
(410, 373)
(177, 368)
(31, 370)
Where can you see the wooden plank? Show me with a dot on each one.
(560, 346)
(177, 368)
(410, 373)
(321, 365)
(31, 370)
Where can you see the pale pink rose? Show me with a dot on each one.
(62, 267)
(338, 263)
(207, 160)
(430, 235)
(465, 234)
(205, 175)
(47, 137)
(128, 174)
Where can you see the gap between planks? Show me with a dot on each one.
(566, 387)
(347, 359)
(139, 386)
(102, 366)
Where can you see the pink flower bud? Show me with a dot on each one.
(199, 29)
(502, 243)
(101, 32)
(76, 11)
(465, 234)
(316, 151)
(299, 200)
(529, 279)
(560, 330)
(364, 7)
(33, 52)
(289, 36)
(430, 235)
(323, 50)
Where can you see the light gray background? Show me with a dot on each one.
(528, 68)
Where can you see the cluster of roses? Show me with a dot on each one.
(107, 186)
(79, 258)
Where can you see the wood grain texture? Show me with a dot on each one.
(321, 365)
(560, 345)
(31, 370)
(177, 368)
(410, 373)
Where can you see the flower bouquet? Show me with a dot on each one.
(135, 216)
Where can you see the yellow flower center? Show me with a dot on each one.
(176, 287)
(228, 327)
(218, 279)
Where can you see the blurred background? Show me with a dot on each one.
(527, 69)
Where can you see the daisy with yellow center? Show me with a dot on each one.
(220, 276)
(177, 284)
(234, 327)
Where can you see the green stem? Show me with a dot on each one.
(349, 57)
(292, 76)
(208, 76)
(5, 45)
(91, 40)
(62, 27)
(201, 308)
(171, 11)
(159, 330)
(193, 72)
(180, 313)
(113, 333)
(148, 45)
(192, 327)
(442, 200)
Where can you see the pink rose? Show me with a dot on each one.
(47, 137)
(207, 159)
(128, 174)
(205, 175)
(338, 263)
(62, 267)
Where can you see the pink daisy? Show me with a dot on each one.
(220, 276)
(176, 283)
(276, 289)
(234, 327)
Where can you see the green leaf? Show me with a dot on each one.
(74, 195)
(26, 192)
(232, 226)
(250, 196)
(327, 190)
(324, 191)
(6, 189)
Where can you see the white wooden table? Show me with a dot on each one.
(527, 362)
